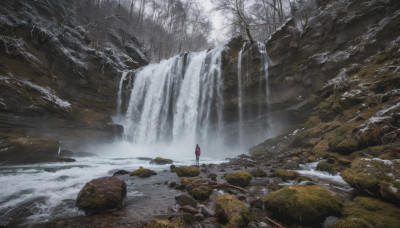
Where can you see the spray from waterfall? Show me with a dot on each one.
(177, 101)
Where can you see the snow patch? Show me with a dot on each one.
(48, 95)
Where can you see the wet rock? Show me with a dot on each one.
(285, 174)
(293, 165)
(172, 168)
(188, 208)
(172, 184)
(201, 193)
(15, 217)
(142, 172)
(368, 212)
(212, 176)
(241, 196)
(307, 205)
(158, 222)
(255, 202)
(101, 194)
(327, 167)
(199, 216)
(67, 160)
(376, 178)
(161, 161)
(345, 145)
(258, 172)
(241, 179)
(231, 212)
(303, 178)
(206, 211)
(185, 199)
(197, 181)
(121, 172)
(187, 171)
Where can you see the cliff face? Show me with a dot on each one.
(340, 76)
(58, 77)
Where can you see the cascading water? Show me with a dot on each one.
(240, 97)
(177, 101)
(264, 57)
(119, 99)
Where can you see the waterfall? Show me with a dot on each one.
(177, 101)
(264, 57)
(119, 99)
(240, 97)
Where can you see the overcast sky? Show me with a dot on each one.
(219, 32)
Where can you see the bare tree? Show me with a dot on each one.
(235, 11)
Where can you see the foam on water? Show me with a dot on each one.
(59, 183)
(310, 171)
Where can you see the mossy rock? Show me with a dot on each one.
(142, 172)
(231, 212)
(258, 173)
(307, 205)
(285, 174)
(375, 178)
(196, 181)
(187, 171)
(303, 178)
(241, 179)
(345, 145)
(328, 167)
(161, 161)
(161, 223)
(368, 212)
(101, 194)
(200, 193)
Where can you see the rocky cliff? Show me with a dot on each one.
(59, 77)
(340, 75)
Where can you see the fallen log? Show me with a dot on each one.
(275, 223)
(225, 185)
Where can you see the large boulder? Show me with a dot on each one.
(285, 174)
(185, 199)
(231, 212)
(161, 161)
(187, 171)
(241, 179)
(375, 177)
(368, 212)
(101, 194)
(308, 205)
(258, 172)
(200, 193)
(142, 172)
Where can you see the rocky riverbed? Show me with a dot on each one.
(156, 196)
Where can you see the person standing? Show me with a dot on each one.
(197, 153)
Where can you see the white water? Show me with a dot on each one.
(60, 183)
(119, 99)
(174, 105)
(325, 177)
(178, 103)
(240, 97)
